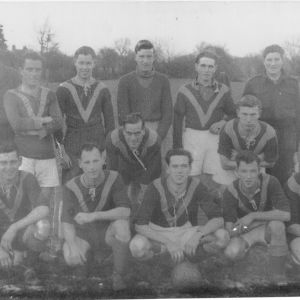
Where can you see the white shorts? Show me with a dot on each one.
(203, 146)
(45, 170)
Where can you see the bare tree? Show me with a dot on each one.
(46, 38)
(122, 46)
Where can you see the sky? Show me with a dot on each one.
(242, 27)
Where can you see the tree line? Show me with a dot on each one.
(113, 62)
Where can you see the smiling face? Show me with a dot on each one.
(9, 165)
(273, 63)
(91, 163)
(205, 68)
(31, 73)
(179, 169)
(144, 59)
(248, 173)
(84, 65)
(248, 116)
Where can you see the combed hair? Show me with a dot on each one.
(143, 44)
(207, 53)
(249, 101)
(8, 148)
(178, 152)
(247, 157)
(32, 56)
(85, 50)
(273, 49)
(88, 147)
(133, 118)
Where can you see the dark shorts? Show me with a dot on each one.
(94, 234)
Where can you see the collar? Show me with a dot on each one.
(84, 84)
(282, 77)
(215, 85)
(25, 92)
(250, 196)
(145, 75)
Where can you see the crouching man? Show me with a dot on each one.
(255, 209)
(95, 213)
(167, 219)
(24, 226)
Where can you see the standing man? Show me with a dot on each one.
(95, 214)
(134, 151)
(83, 101)
(146, 91)
(246, 132)
(255, 209)
(279, 94)
(9, 79)
(206, 105)
(167, 219)
(24, 226)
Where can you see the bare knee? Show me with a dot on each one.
(121, 230)
(139, 246)
(295, 249)
(223, 237)
(236, 248)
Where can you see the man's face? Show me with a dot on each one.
(134, 134)
(32, 72)
(179, 169)
(84, 65)
(248, 173)
(145, 59)
(248, 116)
(273, 63)
(9, 165)
(91, 163)
(205, 68)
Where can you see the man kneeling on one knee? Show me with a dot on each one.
(255, 209)
(23, 212)
(167, 219)
(95, 213)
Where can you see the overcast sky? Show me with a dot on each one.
(242, 27)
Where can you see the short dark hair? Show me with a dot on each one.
(133, 118)
(88, 147)
(247, 157)
(143, 44)
(207, 53)
(249, 101)
(31, 55)
(8, 148)
(273, 48)
(179, 152)
(85, 50)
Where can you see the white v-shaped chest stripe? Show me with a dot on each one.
(84, 113)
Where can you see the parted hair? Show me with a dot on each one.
(143, 44)
(85, 50)
(249, 101)
(247, 157)
(273, 49)
(32, 55)
(207, 53)
(178, 152)
(88, 147)
(133, 118)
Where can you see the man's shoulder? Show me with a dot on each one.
(72, 182)
(153, 138)
(161, 76)
(128, 76)
(268, 128)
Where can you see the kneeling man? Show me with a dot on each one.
(23, 212)
(255, 209)
(95, 213)
(167, 219)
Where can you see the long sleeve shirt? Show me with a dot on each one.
(27, 138)
(153, 99)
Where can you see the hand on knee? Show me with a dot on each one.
(236, 249)
(223, 238)
(122, 230)
(138, 247)
(75, 254)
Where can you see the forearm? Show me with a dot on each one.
(35, 215)
(294, 229)
(148, 232)
(272, 215)
(112, 214)
(212, 225)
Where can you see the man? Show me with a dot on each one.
(95, 213)
(167, 219)
(23, 215)
(279, 94)
(246, 132)
(9, 79)
(146, 91)
(134, 151)
(206, 105)
(83, 100)
(255, 209)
